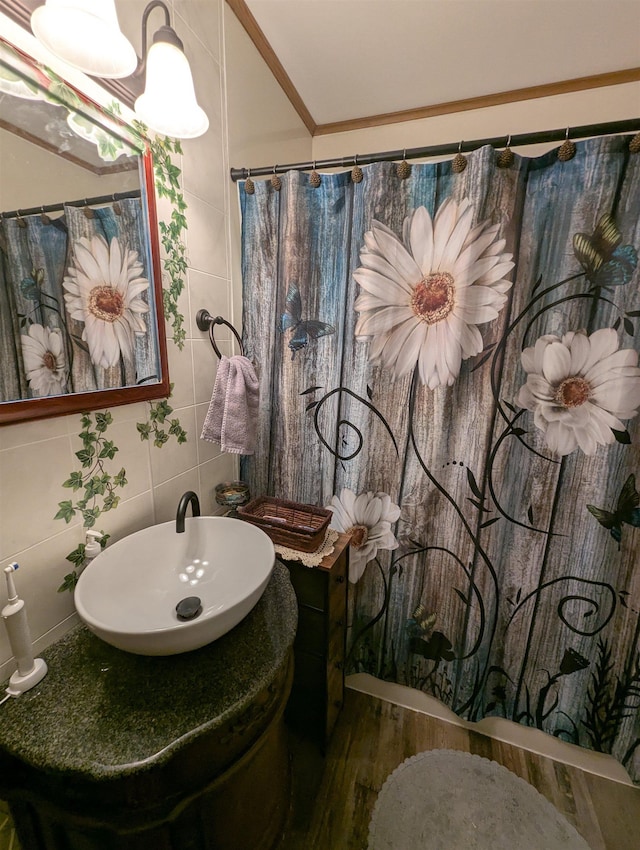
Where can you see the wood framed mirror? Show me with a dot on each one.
(81, 317)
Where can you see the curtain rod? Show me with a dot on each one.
(630, 125)
(83, 202)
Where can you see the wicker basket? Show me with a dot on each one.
(291, 524)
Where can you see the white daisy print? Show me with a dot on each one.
(103, 288)
(44, 360)
(368, 518)
(579, 388)
(421, 301)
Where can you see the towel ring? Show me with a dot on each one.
(205, 321)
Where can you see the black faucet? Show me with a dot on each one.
(189, 496)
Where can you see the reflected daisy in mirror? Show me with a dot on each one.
(422, 299)
(579, 388)
(103, 288)
(44, 360)
(367, 518)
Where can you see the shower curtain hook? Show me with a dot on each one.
(21, 222)
(506, 157)
(276, 182)
(567, 149)
(403, 169)
(459, 162)
(44, 218)
(356, 171)
(249, 186)
(314, 177)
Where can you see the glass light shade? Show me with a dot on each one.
(169, 104)
(86, 34)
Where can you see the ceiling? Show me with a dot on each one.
(349, 60)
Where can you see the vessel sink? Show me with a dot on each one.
(158, 592)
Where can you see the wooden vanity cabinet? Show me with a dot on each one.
(319, 648)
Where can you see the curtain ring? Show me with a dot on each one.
(249, 186)
(314, 177)
(86, 209)
(276, 182)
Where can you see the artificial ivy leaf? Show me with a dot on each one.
(74, 481)
(160, 439)
(77, 556)
(103, 420)
(144, 430)
(90, 515)
(120, 480)
(108, 450)
(66, 512)
(85, 456)
(69, 583)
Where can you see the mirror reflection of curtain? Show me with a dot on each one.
(34, 339)
(108, 295)
(464, 346)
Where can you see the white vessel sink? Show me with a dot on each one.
(128, 594)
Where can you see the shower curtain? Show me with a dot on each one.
(449, 361)
(75, 304)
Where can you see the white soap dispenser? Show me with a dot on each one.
(92, 546)
(30, 670)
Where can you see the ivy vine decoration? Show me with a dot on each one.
(95, 485)
(159, 413)
(167, 183)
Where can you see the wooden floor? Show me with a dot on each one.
(333, 796)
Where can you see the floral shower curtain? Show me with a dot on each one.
(75, 302)
(450, 362)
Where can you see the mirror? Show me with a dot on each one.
(81, 323)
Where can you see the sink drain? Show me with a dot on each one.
(189, 608)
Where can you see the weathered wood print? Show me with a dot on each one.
(450, 361)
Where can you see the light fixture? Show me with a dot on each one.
(86, 34)
(168, 104)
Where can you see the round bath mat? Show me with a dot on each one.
(445, 799)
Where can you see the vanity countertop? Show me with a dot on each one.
(101, 713)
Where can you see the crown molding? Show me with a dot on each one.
(612, 78)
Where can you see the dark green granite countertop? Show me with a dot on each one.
(104, 713)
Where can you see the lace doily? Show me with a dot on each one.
(310, 559)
